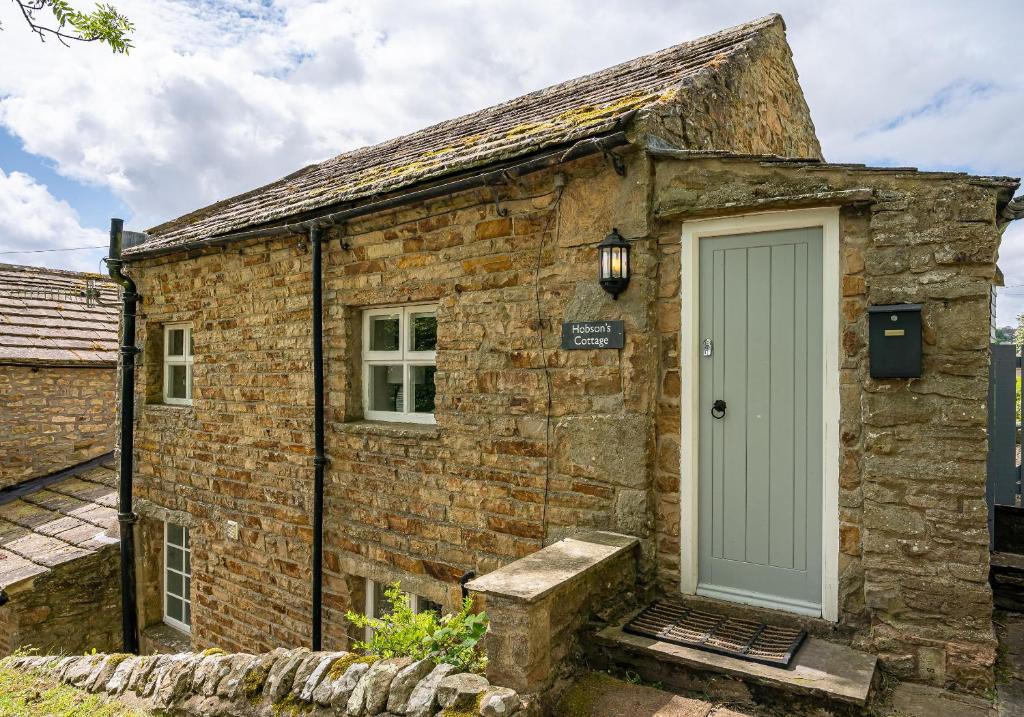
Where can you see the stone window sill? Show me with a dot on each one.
(169, 409)
(389, 428)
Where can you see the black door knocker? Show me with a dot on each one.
(718, 409)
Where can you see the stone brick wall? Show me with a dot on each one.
(74, 608)
(913, 535)
(54, 418)
(420, 503)
(757, 106)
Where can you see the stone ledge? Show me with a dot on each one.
(389, 428)
(531, 578)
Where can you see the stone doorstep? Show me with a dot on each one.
(820, 669)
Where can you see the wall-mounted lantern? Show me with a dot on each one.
(614, 256)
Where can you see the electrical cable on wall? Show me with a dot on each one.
(560, 182)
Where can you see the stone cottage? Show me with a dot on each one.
(58, 370)
(733, 426)
(58, 533)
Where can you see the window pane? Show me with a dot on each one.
(423, 331)
(386, 388)
(188, 614)
(425, 605)
(188, 563)
(191, 343)
(178, 381)
(174, 534)
(381, 605)
(188, 542)
(384, 333)
(188, 588)
(174, 609)
(176, 342)
(174, 583)
(422, 378)
(174, 561)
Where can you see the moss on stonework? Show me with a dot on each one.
(473, 711)
(212, 651)
(341, 666)
(253, 682)
(291, 706)
(117, 658)
(578, 700)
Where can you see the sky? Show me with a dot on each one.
(219, 97)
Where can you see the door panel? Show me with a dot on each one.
(760, 465)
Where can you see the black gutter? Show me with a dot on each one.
(125, 516)
(319, 459)
(19, 490)
(491, 177)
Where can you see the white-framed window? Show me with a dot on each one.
(378, 605)
(399, 362)
(177, 577)
(178, 349)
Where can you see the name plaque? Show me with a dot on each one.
(578, 335)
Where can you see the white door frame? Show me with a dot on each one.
(693, 232)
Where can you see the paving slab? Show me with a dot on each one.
(819, 669)
(598, 695)
(912, 700)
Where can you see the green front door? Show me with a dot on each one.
(760, 485)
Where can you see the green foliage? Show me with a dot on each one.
(103, 24)
(26, 694)
(1006, 335)
(453, 638)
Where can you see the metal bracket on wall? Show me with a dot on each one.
(615, 160)
(502, 211)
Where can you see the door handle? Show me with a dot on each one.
(718, 409)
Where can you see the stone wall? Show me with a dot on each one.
(913, 535)
(757, 106)
(423, 504)
(54, 418)
(73, 608)
(282, 682)
(542, 607)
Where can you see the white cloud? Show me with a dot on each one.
(31, 218)
(220, 97)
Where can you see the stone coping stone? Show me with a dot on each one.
(538, 574)
(820, 668)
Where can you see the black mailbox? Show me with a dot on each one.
(894, 340)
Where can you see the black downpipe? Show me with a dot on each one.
(319, 459)
(125, 515)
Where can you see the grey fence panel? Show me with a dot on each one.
(1001, 487)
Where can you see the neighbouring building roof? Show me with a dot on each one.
(586, 107)
(49, 316)
(52, 521)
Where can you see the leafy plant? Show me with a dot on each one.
(103, 24)
(453, 638)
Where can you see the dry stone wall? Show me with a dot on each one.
(54, 418)
(283, 682)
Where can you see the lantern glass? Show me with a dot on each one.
(613, 255)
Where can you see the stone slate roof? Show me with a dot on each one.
(46, 317)
(60, 521)
(586, 107)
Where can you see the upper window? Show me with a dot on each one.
(178, 349)
(399, 350)
(177, 577)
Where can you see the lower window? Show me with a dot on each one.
(177, 577)
(378, 605)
